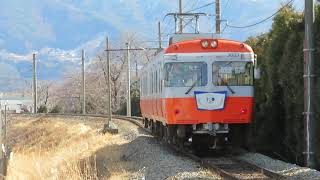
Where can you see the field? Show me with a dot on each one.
(56, 148)
(73, 148)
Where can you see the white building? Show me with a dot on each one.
(16, 104)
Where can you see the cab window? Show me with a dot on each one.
(185, 74)
(232, 73)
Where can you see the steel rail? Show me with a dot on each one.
(205, 162)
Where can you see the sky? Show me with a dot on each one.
(57, 30)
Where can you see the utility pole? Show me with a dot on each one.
(180, 18)
(109, 83)
(4, 140)
(128, 81)
(83, 84)
(218, 17)
(128, 49)
(34, 84)
(159, 35)
(309, 88)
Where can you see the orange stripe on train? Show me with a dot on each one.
(184, 111)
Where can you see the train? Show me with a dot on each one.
(199, 91)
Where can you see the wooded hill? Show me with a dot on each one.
(279, 94)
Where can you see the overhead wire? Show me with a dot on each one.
(197, 8)
(194, 4)
(206, 5)
(263, 20)
(187, 4)
(226, 5)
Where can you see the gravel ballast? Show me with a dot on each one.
(148, 159)
(291, 171)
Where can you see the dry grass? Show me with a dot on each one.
(53, 148)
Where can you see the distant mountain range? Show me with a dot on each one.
(58, 29)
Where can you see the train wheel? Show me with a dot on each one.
(146, 123)
(161, 131)
(165, 134)
(170, 134)
(238, 136)
(180, 142)
(199, 143)
(153, 128)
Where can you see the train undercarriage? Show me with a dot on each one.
(208, 136)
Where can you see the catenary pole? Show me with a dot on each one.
(218, 17)
(109, 83)
(83, 83)
(309, 80)
(34, 83)
(180, 18)
(128, 81)
(159, 35)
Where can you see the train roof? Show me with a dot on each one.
(191, 43)
(195, 46)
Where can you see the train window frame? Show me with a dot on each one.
(218, 81)
(204, 75)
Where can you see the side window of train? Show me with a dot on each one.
(145, 85)
(157, 81)
(148, 81)
(154, 82)
(151, 82)
(142, 85)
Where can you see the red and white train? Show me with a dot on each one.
(198, 88)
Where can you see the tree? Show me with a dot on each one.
(279, 95)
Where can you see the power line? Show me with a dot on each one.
(263, 20)
(225, 7)
(197, 8)
(206, 5)
(194, 4)
(187, 4)
(227, 3)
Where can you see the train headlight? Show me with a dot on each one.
(214, 44)
(244, 111)
(204, 44)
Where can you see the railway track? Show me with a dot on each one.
(228, 167)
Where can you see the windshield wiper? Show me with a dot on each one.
(228, 86)
(191, 87)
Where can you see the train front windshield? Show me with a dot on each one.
(232, 73)
(185, 74)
